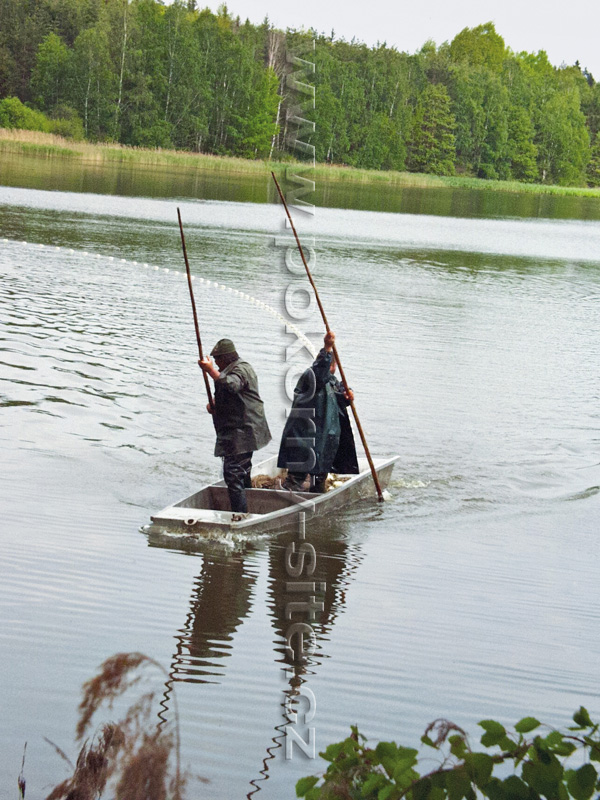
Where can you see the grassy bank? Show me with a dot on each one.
(20, 142)
(421, 180)
(48, 145)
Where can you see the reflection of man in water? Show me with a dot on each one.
(317, 438)
(221, 600)
(239, 418)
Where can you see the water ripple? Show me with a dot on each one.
(479, 369)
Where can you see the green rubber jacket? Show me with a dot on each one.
(239, 414)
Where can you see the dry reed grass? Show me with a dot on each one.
(21, 783)
(95, 765)
(135, 758)
(31, 137)
(48, 144)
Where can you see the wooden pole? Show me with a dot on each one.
(198, 339)
(335, 353)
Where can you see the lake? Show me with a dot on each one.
(471, 342)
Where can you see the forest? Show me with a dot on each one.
(146, 74)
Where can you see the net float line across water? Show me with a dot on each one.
(204, 281)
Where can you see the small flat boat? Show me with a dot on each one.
(207, 511)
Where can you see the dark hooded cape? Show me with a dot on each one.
(317, 436)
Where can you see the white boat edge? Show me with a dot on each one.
(190, 519)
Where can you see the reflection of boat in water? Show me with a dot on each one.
(207, 511)
(226, 589)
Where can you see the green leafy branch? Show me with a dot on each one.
(555, 766)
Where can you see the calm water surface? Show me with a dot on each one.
(472, 347)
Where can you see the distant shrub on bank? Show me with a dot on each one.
(13, 114)
(64, 121)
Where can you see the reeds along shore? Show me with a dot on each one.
(48, 145)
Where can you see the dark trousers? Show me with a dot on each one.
(236, 472)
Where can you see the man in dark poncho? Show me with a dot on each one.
(239, 418)
(317, 437)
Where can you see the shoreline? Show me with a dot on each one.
(46, 145)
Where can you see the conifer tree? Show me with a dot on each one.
(432, 146)
(593, 170)
(522, 152)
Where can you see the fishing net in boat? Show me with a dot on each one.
(268, 482)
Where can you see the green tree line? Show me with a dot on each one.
(147, 74)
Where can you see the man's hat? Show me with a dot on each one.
(223, 347)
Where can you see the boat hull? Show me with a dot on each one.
(206, 512)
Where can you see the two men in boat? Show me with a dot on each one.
(317, 437)
(239, 418)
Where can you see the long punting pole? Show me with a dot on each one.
(335, 353)
(199, 340)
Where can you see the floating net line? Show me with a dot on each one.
(204, 281)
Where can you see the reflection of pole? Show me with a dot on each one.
(290, 692)
(164, 703)
(293, 690)
(335, 569)
(264, 772)
(335, 352)
(220, 601)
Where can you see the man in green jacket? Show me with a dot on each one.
(239, 418)
(317, 437)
